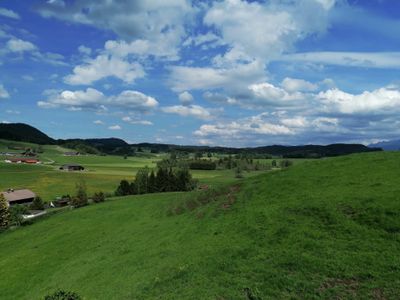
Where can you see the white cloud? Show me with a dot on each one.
(13, 112)
(137, 121)
(9, 13)
(96, 100)
(298, 85)
(160, 23)
(386, 60)
(98, 122)
(186, 111)
(380, 101)
(104, 66)
(242, 128)
(18, 45)
(268, 94)
(3, 92)
(134, 100)
(115, 127)
(84, 50)
(184, 78)
(185, 98)
(262, 31)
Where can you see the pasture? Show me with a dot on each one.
(326, 229)
(102, 173)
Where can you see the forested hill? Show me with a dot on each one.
(27, 133)
(24, 133)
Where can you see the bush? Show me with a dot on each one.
(63, 295)
(4, 212)
(16, 212)
(81, 198)
(37, 204)
(98, 197)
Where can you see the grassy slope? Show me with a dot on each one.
(323, 229)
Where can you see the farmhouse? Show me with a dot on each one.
(23, 196)
(23, 160)
(72, 167)
(71, 153)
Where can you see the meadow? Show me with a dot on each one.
(325, 229)
(102, 173)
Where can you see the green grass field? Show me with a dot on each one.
(102, 173)
(326, 229)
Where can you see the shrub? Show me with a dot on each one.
(16, 212)
(63, 295)
(81, 198)
(37, 204)
(4, 212)
(98, 197)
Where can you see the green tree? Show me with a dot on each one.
(152, 183)
(123, 189)
(142, 180)
(37, 204)
(81, 198)
(4, 212)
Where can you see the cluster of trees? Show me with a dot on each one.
(164, 180)
(81, 197)
(244, 163)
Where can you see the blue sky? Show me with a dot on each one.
(235, 73)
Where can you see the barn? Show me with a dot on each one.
(72, 167)
(23, 196)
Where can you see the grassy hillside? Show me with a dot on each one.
(324, 229)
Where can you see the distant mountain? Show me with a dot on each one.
(24, 133)
(316, 150)
(388, 146)
(116, 146)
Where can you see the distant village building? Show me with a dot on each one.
(23, 160)
(23, 196)
(72, 167)
(71, 153)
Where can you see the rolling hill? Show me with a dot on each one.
(24, 133)
(116, 146)
(393, 145)
(321, 229)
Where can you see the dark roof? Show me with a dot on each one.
(15, 195)
(71, 165)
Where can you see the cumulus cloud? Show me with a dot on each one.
(104, 66)
(93, 99)
(84, 50)
(9, 13)
(184, 78)
(298, 85)
(136, 121)
(151, 21)
(98, 122)
(243, 129)
(115, 127)
(196, 111)
(185, 98)
(380, 101)
(18, 45)
(3, 92)
(243, 25)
